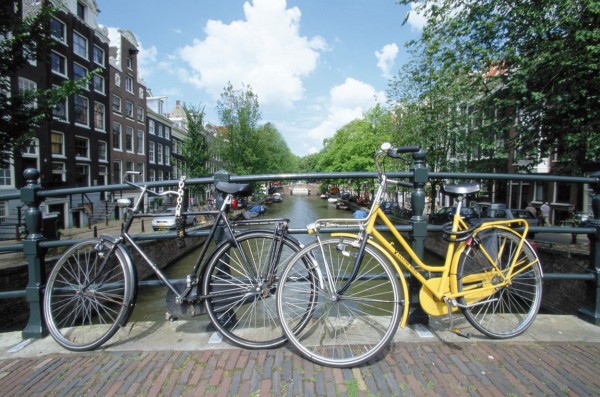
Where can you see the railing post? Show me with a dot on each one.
(591, 313)
(36, 327)
(419, 232)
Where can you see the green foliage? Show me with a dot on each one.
(195, 146)
(23, 40)
(528, 66)
(247, 147)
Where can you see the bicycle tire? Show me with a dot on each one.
(507, 311)
(239, 299)
(85, 303)
(346, 330)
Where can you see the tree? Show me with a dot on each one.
(536, 63)
(24, 40)
(195, 145)
(239, 112)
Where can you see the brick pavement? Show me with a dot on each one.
(412, 369)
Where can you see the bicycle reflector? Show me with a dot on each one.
(234, 203)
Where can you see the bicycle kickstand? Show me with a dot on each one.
(453, 329)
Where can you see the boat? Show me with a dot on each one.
(254, 211)
(332, 200)
(276, 198)
(323, 196)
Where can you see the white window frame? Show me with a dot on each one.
(129, 139)
(151, 152)
(84, 166)
(119, 108)
(77, 45)
(159, 153)
(63, 37)
(139, 139)
(26, 85)
(78, 156)
(87, 110)
(62, 171)
(66, 109)
(167, 156)
(99, 88)
(80, 76)
(129, 84)
(117, 176)
(63, 71)
(151, 127)
(62, 144)
(140, 114)
(167, 132)
(98, 50)
(118, 147)
(128, 107)
(99, 106)
(117, 79)
(103, 151)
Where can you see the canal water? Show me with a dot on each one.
(300, 210)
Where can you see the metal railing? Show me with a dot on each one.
(34, 246)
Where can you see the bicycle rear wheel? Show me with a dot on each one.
(507, 311)
(87, 298)
(241, 294)
(347, 328)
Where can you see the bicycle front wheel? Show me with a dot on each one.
(87, 296)
(508, 310)
(240, 284)
(348, 326)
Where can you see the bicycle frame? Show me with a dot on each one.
(221, 221)
(443, 288)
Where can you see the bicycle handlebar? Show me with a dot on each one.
(394, 152)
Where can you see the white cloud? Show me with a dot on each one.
(264, 51)
(348, 101)
(386, 58)
(416, 19)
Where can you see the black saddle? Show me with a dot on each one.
(237, 189)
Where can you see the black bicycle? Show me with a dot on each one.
(91, 291)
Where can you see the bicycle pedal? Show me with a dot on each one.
(460, 332)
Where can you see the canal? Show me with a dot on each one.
(300, 210)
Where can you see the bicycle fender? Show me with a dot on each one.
(395, 264)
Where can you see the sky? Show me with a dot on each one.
(314, 65)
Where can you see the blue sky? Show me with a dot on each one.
(315, 65)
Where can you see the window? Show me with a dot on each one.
(58, 64)
(116, 103)
(81, 10)
(58, 30)
(129, 139)
(141, 93)
(129, 63)
(167, 156)
(117, 136)
(59, 112)
(151, 152)
(57, 142)
(26, 88)
(116, 177)
(83, 175)
(59, 172)
(5, 177)
(81, 110)
(102, 178)
(139, 167)
(160, 130)
(129, 109)
(80, 45)
(151, 127)
(99, 56)
(140, 114)
(31, 150)
(117, 79)
(167, 132)
(3, 204)
(159, 153)
(99, 112)
(102, 151)
(99, 84)
(129, 84)
(82, 147)
(79, 72)
(151, 175)
(140, 142)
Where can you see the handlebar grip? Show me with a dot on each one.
(395, 152)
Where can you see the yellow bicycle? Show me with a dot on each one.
(357, 291)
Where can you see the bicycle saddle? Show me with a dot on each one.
(237, 189)
(461, 189)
